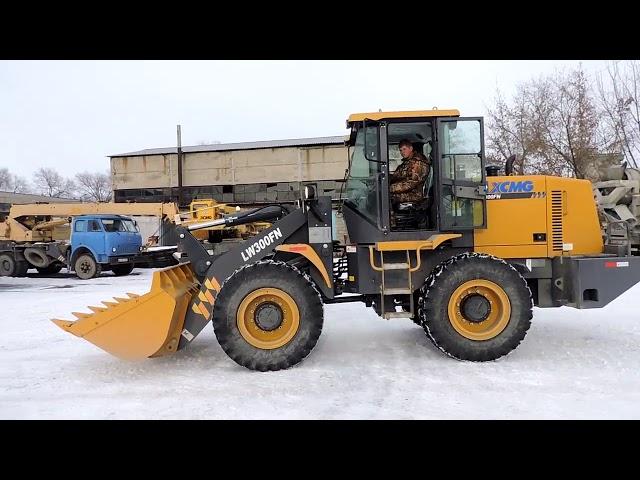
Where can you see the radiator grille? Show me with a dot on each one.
(556, 220)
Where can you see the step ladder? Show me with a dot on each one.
(408, 246)
(396, 290)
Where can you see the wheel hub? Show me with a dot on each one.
(268, 316)
(479, 309)
(475, 308)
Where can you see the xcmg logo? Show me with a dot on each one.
(522, 186)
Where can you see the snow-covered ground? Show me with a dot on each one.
(572, 364)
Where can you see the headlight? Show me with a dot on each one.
(140, 248)
(113, 249)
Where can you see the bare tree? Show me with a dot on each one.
(619, 96)
(574, 136)
(20, 185)
(512, 130)
(5, 178)
(10, 182)
(94, 187)
(49, 182)
(554, 125)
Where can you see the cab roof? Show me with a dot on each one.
(103, 216)
(358, 117)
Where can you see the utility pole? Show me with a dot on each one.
(179, 166)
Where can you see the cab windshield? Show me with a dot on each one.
(118, 225)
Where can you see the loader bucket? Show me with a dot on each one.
(140, 326)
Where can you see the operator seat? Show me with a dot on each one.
(414, 215)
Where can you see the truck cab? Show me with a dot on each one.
(103, 242)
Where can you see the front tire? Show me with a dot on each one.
(86, 267)
(268, 316)
(476, 307)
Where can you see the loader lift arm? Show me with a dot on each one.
(212, 271)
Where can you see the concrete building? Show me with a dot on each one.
(247, 173)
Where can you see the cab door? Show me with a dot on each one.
(461, 173)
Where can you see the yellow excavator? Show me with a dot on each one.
(467, 264)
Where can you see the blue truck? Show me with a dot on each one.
(98, 242)
(104, 242)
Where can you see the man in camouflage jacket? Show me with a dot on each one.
(407, 182)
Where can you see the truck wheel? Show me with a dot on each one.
(86, 267)
(122, 270)
(268, 316)
(476, 307)
(49, 269)
(7, 265)
(10, 267)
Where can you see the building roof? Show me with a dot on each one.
(221, 147)
(10, 197)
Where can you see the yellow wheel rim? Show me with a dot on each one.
(491, 301)
(268, 318)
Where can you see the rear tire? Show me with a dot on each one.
(268, 316)
(10, 267)
(86, 267)
(122, 270)
(49, 269)
(7, 265)
(476, 307)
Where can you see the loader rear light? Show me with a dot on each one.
(616, 264)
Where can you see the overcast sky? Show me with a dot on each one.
(70, 115)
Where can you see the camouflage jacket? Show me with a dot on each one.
(408, 179)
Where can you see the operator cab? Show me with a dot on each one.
(453, 190)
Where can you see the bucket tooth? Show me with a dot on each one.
(109, 304)
(121, 300)
(80, 315)
(97, 309)
(64, 324)
(133, 295)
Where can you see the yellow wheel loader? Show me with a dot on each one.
(467, 264)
